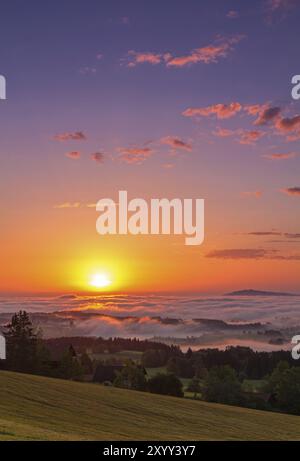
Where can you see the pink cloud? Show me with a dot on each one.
(206, 54)
(293, 191)
(134, 154)
(256, 194)
(125, 20)
(223, 132)
(232, 14)
(275, 5)
(67, 205)
(288, 123)
(267, 115)
(254, 109)
(221, 111)
(176, 143)
(250, 136)
(271, 115)
(289, 126)
(73, 155)
(168, 166)
(278, 7)
(278, 156)
(264, 112)
(68, 136)
(141, 58)
(98, 157)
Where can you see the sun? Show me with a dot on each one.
(100, 281)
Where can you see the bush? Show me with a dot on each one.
(284, 382)
(131, 377)
(166, 384)
(222, 386)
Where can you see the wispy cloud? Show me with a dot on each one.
(293, 191)
(267, 115)
(255, 193)
(289, 126)
(271, 115)
(176, 143)
(67, 205)
(250, 136)
(69, 136)
(135, 58)
(232, 14)
(223, 132)
(280, 156)
(281, 7)
(221, 111)
(275, 5)
(244, 253)
(135, 154)
(264, 233)
(73, 205)
(292, 235)
(208, 54)
(74, 155)
(98, 157)
(125, 20)
(289, 235)
(251, 253)
(88, 70)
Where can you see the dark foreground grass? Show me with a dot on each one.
(38, 408)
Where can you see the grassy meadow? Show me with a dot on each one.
(39, 408)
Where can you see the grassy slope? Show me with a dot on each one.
(39, 408)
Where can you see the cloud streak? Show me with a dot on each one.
(292, 191)
(208, 54)
(280, 156)
(250, 136)
(255, 193)
(70, 136)
(98, 157)
(74, 155)
(135, 154)
(221, 111)
(176, 143)
(251, 253)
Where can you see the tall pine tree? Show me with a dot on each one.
(21, 344)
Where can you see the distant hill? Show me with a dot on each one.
(39, 408)
(251, 292)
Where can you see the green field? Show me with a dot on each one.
(38, 408)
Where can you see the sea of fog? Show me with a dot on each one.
(171, 318)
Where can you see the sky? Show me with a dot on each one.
(162, 99)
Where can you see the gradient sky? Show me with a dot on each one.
(163, 99)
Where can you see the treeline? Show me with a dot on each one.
(111, 345)
(246, 362)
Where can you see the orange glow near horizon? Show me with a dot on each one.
(60, 251)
